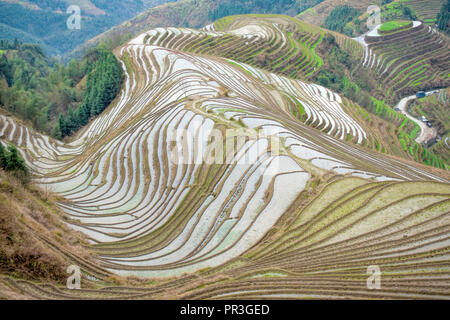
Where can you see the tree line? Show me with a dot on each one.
(11, 161)
(40, 91)
(103, 83)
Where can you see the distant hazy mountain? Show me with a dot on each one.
(45, 21)
(154, 3)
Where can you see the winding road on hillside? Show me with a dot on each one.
(362, 39)
(426, 133)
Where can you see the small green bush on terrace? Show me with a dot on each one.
(394, 25)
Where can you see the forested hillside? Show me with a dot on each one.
(102, 86)
(340, 17)
(230, 7)
(40, 91)
(155, 3)
(45, 21)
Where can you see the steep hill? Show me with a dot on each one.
(254, 184)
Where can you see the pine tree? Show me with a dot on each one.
(82, 115)
(443, 17)
(16, 44)
(62, 126)
(16, 165)
(6, 70)
(13, 160)
(72, 121)
(3, 159)
(102, 85)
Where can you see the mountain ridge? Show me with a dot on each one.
(45, 22)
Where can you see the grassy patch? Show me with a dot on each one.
(394, 25)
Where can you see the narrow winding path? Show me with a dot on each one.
(426, 133)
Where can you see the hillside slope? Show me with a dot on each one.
(407, 61)
(35, 243)
(435, 109)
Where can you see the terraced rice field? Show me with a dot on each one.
(240, 182)
(322, 250)
(317, 14)
(279, 44)
(405, 62)
(264, 41)
(408, 61)
(425, 10)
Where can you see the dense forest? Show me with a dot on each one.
(40, 91)
(102, 86)
(339, 17)
(231, 7)
(443, 18)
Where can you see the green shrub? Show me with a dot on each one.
(11, 161)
